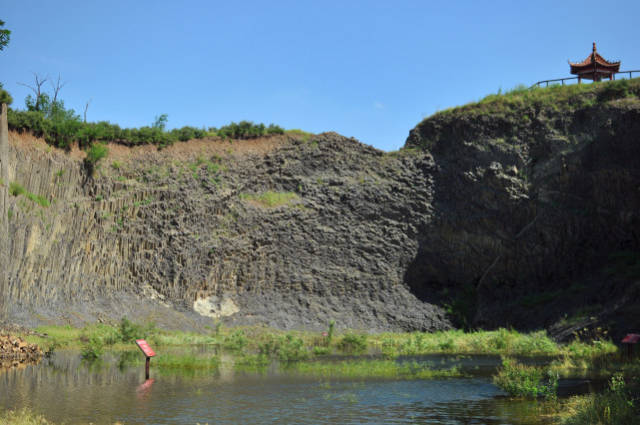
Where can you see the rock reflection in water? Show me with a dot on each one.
(65, 389)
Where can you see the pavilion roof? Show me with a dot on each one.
(594, 58)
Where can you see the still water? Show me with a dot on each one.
(65, 389)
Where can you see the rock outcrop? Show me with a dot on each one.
(513, 211)
(537, 199)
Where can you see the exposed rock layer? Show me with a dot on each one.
(497, 217)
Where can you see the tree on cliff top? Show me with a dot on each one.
(5, 36)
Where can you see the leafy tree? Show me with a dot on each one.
(5, 36)
(5, 97)
(160, 121)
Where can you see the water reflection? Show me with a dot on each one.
(65, 389)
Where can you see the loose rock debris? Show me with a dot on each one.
(14, 351)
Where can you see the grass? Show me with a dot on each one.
(501, 341)
(521, 110)
(270, 199)
(26, 417)
(359, 369)
(16, 189)
(526, 381)
(280, 344)
(619, 404)
(557, 97)
(304, 135)
(22, 417)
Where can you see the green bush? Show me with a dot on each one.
(353, 343)
(292, 349)
(5, 97)
(287, 349)
(526, 381)
(236, 341)
(93, 349)
(128, 331)
(96, 152)
(247, 130)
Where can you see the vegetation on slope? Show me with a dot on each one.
(48, 118)
(557, 97)
(515, 112)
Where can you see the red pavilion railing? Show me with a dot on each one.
(546, 82)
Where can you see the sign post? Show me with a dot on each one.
(148, 353)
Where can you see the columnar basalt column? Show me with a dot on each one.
(4, 219)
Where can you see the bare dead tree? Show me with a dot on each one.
(37, 89)
(86, 106)
(56, 88)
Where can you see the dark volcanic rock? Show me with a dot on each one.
(537, 207)
(522, 210)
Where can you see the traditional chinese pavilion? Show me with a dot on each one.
(594, 67)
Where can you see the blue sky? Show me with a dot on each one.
(367, 69)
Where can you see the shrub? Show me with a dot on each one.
(353, 343)
(96, 152)
(5, 97)
(526, 381)
(129, 331)
(247, 130)
(93, 349)
(287, 349)
(236, 341)
(321, 351)
(292, 349)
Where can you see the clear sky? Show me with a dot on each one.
(367, 69)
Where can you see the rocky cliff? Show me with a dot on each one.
(537, 201)
(520, 210)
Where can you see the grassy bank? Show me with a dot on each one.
(299, 345)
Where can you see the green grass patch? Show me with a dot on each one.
(16, 189)
(270, 199)
(351, 343)
(526, 381)
(360, 369)
(619, 404)
(501, 341)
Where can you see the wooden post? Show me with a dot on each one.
(146, 368)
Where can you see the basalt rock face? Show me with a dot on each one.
(308, 231)
(536, 200)
(521, 210)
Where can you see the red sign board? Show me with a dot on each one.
(631, 339)
(144, 346)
